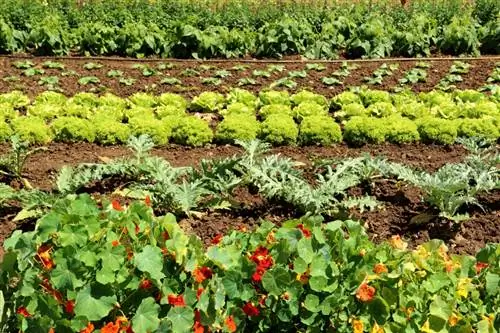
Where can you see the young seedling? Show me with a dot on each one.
(414, 75)
(92, 65)
(127, 81)
(70, 73)
(380, 73)
(145, 69)
(33, 71)
(331, 81)
(261, 73)
(222, 74)
(276, 68)
(89, 79)
(162, 66)
(315, 67)
(240, 68)
(11, 78)
(53, 65)
(114, 73)
(247, 81)
(23, 64)
(459, 67)
(284, 82)
(345, 70)
(300, 74)
(190, 72)
(211, 81)
(48, 80)
(206, 68)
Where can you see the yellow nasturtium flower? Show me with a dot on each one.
(453, 320)
(377, 329)
(357, 326)
(463, 287)
(426, 328)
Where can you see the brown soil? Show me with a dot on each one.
(12, 78)
(400, 204)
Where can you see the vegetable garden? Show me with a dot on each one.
(222, 166)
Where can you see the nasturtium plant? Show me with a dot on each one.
(118, 268)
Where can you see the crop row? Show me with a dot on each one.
(106, 266)
(360, 116)
(364, 32)
(96, 76)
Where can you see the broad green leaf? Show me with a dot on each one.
(182, 319)
(318, 283)
(63, 278)
(311, 303)
(440, 309)
(276, 280)
(146, 317)
(379, 309)
(2, 304)
(305, 250)
(91, 307)
(492, 283)
(150, 260)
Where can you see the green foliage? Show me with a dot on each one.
(237, 127)
(309, 97)
(280, 109)
(417, 37)
(351, 110)
(372, 38)
(15, 98)
(50, 37)
(482, 128)
(237, 95)
(169, 110)
(414, 110)
(344, 98)
(99, 261)
(169, 99)
(143, 100)
(33, 130)
(192, 131)
(207, 102)
(381, 109)
(370, 97)
(468, 95)
(306, 109)
(279, 129)
(238, 108)
(72, 129)
(274, 97)
(401, 130)
(437, 130)
(460, 36)
(156, 129)
(50, 97)
(5, 131)
(319, 129)
(108, 131)
(361, 130)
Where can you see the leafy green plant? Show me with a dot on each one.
(437, 130)
(331, 81)
(32, 130)
(284, 82)
(315, 67)
(279, 129)
(192, 131)
(72, 129)
(127, 81)
(33, 71)
(247, 81)
(460, 36)
(88, 80)
(213, 81)
(92, 65)
(114, 73)
(299, 74)
(319, 129)
(207, 102)
(237, 127)
(23, 64)
(261, 73)
(53, 65)
(362, 130)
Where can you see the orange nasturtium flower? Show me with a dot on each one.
(380, 268)
(217, 239)
(357, 326)
(199, 292)
(110, 328)
(43, 254)
(88, 329)
(147, 201)
(51, 330)
(200, 274)
(306, 232)
(115, 243)
(397, 243)
(365, 293)
(230, 324)
(198, 327)
(116, 205)
(176, 300)
(480, 266)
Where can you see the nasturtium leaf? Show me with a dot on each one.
(440, 308)
(93, 308)
(150, 261)
(276, 280)
(182, 319)
(318, 283)
(203, 301)
(318, 235)
(88, 258)
(379, 309)
(492, 283)
(105, 276)
(146, 317)
(232, 282)
(311, 303)
(72, 236)
(318, 266)
(47, 225)
(226, 258)
(63, 278)
(112, 260)
(299, 265)
(305, 250)
(307, 317)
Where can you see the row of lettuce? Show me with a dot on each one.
(347, 32)
(103, 266)
(358, 117)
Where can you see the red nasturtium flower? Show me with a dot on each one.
(217, 239)
(43, 254)
(23, 312)
(262, 258)
(176, 300)
(69, 307)
(305, 231)
(365, 292)
(165, 235)
(51, 291)
(250, 310)
(380, 268)
(200, 274)
(88, 329)
(145, 284)
(198, 327)
(257, 276)
(116, 205)
(199, 292)
(480, 266)
(230, 324)
(147, 201)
